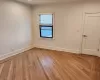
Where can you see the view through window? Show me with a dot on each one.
(46, 25)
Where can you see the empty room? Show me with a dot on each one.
(49, 40)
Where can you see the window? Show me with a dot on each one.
(46, 25)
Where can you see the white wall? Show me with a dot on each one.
(68, 25)
(16, 33)
(15, 27)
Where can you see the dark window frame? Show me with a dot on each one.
(45, 25)
(41, 33)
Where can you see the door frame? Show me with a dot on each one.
(84, 17)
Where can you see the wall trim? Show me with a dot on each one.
(2, 57)
(58, 49)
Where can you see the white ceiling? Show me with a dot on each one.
(34, 2)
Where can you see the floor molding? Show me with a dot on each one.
(10, 54)
(2, 57)
(58, 49)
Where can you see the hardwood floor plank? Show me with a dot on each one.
(26, 68)
(10, 73)
(1, 67)
(19, 69)
(5, 70)
(49, 68)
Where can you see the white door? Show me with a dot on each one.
(91, 34)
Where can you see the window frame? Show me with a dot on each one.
(45, 25)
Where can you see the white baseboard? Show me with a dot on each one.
(15, 52)
(30, 47)
(58, 49)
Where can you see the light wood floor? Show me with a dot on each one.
(40, 64)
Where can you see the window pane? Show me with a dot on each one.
(46, 19)
(46, 33)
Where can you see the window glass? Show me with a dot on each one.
(46, 19)
(46, 25)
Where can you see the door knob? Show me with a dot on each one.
(84, 35)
